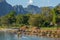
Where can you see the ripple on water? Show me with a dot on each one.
(37, 38)
(9, 36)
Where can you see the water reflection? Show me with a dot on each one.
(10, 36)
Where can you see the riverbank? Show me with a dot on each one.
(53, 33)
(10, 30)
(45, 32)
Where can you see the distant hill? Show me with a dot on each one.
(5, 7)
(29, 9)
(32, 9)
(19, 9)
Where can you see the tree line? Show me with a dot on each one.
(49, 17)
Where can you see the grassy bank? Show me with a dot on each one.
(48, 28)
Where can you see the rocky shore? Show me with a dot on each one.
(34, 31)
(39, 32)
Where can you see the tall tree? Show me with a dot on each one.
(8, 19)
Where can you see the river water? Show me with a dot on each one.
(11, 36)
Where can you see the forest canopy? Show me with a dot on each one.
(49, 17)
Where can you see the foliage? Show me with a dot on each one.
(47, 18)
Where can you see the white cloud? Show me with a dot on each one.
(30, 2)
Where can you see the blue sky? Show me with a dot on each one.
(39, 3)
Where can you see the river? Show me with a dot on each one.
(11, 36)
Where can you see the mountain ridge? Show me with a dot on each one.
(5, 8)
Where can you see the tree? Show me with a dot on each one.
(0, 21)
(47, 15)
(8, 19)
(11, 17)
(57, 9)
(22, 19)
(35, 20)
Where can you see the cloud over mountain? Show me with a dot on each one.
(30, 2)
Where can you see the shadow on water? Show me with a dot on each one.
(10, 36)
